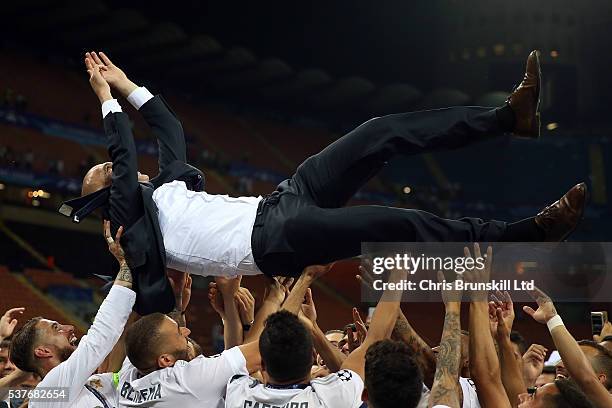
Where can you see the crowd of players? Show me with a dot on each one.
(277, 356)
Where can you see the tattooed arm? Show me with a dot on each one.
(445, 389)
(423, 354)
(124, 276)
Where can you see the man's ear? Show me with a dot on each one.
(364, 395)
(166, 360)
(43, 352)
(603, 379)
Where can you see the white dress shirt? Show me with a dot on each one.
(206, 234)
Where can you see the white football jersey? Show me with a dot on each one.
(200, 382)
(339, 390)
(470, 398)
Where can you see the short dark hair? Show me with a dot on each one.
(5, 343)
(549, 369)
(601, 362)
(286, 347)
(142, 342)
(518, 339)
(392, 376)
(22, 346)
(569, 396)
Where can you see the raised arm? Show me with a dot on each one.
(114, 360)
(125, 199)
(330, 354)
(445, 388)
(484, 363)
(277, 290)
(574, 360)
(381, 326)
(221, 295)
(103, 334)
(511, 369)
(404, 332)
(293, 303)
(166, 127)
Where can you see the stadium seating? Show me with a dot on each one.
(36, 304)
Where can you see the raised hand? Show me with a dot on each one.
(97, 82)
(450, 295)
(308, 307)
(533, 363)
(362, 330)
(479, 274)
(278, 289)
(187, 291)
(506, 306)
(606, 330)
(366, 278)
(504, 302)
(216, 299)
(113, 74)
(245, 302)
(316, 271)
(228, 286)
(8, 321)
(546, 307)
(114, 245)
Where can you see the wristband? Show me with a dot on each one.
(554, 322)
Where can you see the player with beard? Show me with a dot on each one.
(52, 351)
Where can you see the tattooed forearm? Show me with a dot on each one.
(124, 276)
(422, 351)
(445, 390)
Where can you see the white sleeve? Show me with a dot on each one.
(95, 346)
(110, 106)
(139, 97)
(207, 377)
(343, 388)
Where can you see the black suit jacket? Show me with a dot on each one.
(130, 203)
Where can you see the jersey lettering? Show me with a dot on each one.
(143, 395)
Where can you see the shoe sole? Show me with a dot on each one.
(581, 216)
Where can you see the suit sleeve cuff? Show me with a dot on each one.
(139, 97)
(110, 106)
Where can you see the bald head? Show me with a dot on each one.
(97, 178)
(100, 176)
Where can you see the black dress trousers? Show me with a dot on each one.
(304, 222)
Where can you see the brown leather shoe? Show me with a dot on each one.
(561, 218)
(525, 99)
